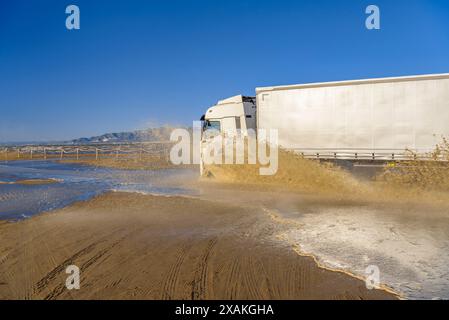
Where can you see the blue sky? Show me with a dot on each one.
(139, 63)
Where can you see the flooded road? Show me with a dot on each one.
(75, 183)
(409, 245)
(409, 248)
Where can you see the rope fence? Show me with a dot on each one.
(132, 151)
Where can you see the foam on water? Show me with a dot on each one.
(411, 251)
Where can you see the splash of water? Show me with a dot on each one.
(414, 181)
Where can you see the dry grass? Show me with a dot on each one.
(13, 156)
(129, 162)
(121, 161)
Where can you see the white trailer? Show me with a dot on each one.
(376, 119)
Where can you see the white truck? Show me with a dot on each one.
(374, 119)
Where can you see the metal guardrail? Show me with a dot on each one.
(368, 156)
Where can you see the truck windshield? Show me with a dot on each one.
(213, 125)
(211, 129)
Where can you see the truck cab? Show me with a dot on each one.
(232, 115)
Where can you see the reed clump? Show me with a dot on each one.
(425, 175)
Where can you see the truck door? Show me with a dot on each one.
(228, 125)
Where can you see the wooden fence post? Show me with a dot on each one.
(31, 154)
(45, 153)
(96, 153)
(62, 154)
(6, 154)
(18, 153)
(77, 153)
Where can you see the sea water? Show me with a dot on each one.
(410, 249)
(75, 183)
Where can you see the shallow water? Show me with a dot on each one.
(410, 246)
(411, 249)
(77, 182)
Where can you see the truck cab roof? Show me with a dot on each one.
(230, 107)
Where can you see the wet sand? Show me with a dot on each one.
(131, 246)
(31, 181)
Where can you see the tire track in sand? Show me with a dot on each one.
(199, 285)
(232, 282)
(171, 280)
(250, 280)
(45, 281)
(60, 288)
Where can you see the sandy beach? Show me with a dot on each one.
(31, 182)
(131, 246)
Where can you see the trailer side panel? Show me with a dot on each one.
(366, 117)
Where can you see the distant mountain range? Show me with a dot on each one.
(147, 135)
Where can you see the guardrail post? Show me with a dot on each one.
(45, 153)
(18, 153)
(96, 153)
(31, 154)
(6, 154)
(62, 154)
(77, 154)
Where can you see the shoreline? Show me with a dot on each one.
(229, 227)
(297, 248)
(384, 287)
